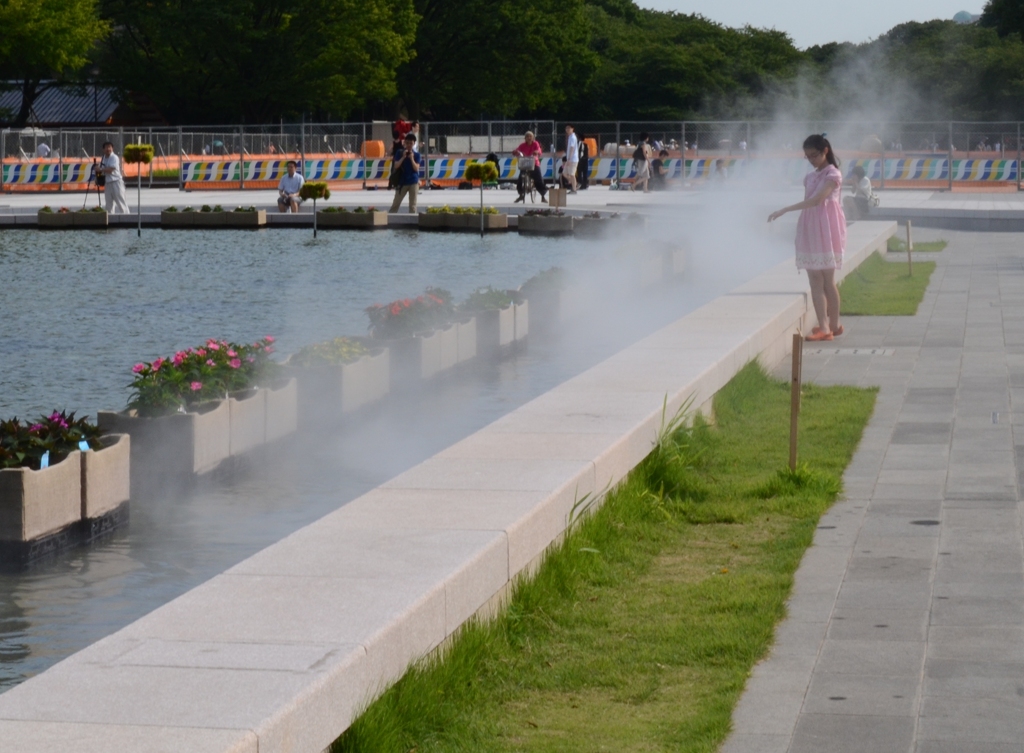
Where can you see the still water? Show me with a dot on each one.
(78, 309)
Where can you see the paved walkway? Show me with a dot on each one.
(906, 625)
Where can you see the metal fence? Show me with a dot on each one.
(63, 161)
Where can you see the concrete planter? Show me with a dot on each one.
(177, 219)
(471, 222)
(495, 330)
(248, 420)
(433, 221)
(327, 392)
(90, 219)
(592, 227)
(358, 220)
(548, 308)
(282, 410)
(423, 355)
(465, 336)
(51, 220)
(169, 448)
(106, 477)
(34, 504)
(244, 219)
(448, 351)
(539, 225)
(522, 320)
(208, 219)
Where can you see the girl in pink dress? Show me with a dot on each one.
(821, 234)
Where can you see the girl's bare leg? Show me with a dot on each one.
(831, 291)
(817, 280)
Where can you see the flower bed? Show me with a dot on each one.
(218, 217)
(370, 218)
(418, 332)
(545, 222)
(495, 312)
(171, 217)
(338, 377)
(462, 218)
(90, 218)
(62, 218)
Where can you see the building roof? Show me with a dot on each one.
(63, 106)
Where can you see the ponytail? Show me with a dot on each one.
(819, 142)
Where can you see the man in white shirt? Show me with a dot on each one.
(113, 187)
(572, 157)
(288, 189)
(43, 150)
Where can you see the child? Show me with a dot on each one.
(821, 234)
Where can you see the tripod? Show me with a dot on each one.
(92, 176)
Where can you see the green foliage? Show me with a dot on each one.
(555, 278)
(46, 40)
(23, 444)
(486, 299)
(408, 316)
(314, 189)
(883, 288)
(226, 61)
(485, 172)
(334, 352)
(197, 375)
(134, 153)
(640, 628)
(895, 244)
(460, 210)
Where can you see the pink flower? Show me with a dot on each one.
(201, 352)
(270, 339)
(35, 427)
(269, 349)
(178, 358)
(158, 363)
(235, 363)
(196, 386)
(138, 368)
(232, 354)
(250, 359)
(209, 362)
(212, 345)
(56, 418)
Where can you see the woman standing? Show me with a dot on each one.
(821, 234)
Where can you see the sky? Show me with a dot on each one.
(809, 23)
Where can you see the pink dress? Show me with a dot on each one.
(821, 230)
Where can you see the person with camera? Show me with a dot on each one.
(110, 179)
(288, 189)
(406, 167)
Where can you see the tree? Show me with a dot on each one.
(1005, 16)
(206, 61)
(495, 56)
(44, 42)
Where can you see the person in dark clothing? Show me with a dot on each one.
(406, 168)
(583, 171)
(659, 171)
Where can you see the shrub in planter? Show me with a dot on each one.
(173, 218)
(407, 316)
(46, 217)
(24, 444)
(545, 222)
(94, 217)
(359, 217)
(339, 376)
(495, 317)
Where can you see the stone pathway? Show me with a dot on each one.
(906, 625)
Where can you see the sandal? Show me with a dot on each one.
(818, 336)
(839, 331)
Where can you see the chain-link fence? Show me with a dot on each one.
(54, 159)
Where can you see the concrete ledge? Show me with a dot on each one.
(281, 652)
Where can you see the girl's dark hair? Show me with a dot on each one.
(819, 142)
(859, 172)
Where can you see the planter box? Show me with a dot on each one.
(248, 420)
(423, 356)
(177, 219)
(433, 221)
(327, 392)
(549, 308)
(360, 220)
(465, 337)
(90, 219)
(495, 329)
(448, 352)
(522, 320)
(208, 219)
(34, 504)
(592, 227)
(55, 219)
(244, 219)
(282, 410)
(539, 225)
(106, 477)
(174, 446)
(471, 222)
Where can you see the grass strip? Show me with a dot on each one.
(882, 288)
(640, 629)
(898, 244)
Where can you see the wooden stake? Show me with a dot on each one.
(910, 247)
(794, 401)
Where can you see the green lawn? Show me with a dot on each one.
(639, 631)
(898, 244)
(884, 288)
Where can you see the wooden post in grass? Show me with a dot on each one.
(138, 154)
(910, 247)
(794, 396)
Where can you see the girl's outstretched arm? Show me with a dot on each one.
(818, 198)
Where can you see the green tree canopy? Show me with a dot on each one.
(207, 61)
(44, 42)
(1005, 16)
(497, 57)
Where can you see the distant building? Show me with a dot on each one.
(963, 17)
(79, 107)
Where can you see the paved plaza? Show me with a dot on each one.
(906, 623)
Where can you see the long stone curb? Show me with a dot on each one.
(282, 651)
